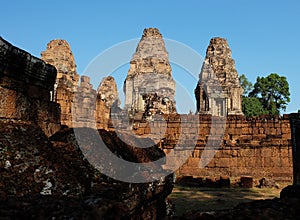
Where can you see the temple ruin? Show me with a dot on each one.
(26, 85)
(84, 104)
(59, 54)
(149, 87)
(44, 172)
(108, 101)
(243, 146)
(41, 158)
(218, 91)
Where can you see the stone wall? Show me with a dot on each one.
(295, 130)
(26, 84)
(258, 147)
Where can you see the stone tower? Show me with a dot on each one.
(218, 91)
(107, 101)
(149, 86)
(84, 104)
(59, 54)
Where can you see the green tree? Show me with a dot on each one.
(272, 92)
(251, 106)
(246, 84)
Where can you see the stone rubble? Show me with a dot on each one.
(51, 178)
(44, 173)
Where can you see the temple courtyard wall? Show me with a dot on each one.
(257, 147)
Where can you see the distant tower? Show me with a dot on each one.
(107, 101)
(149, 86)
(59, 54)
(218, 91)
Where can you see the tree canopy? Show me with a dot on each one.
(269, 95)
(251, 106)
(273, 92)
(246, 84)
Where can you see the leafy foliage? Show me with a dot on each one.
(246, 84)
(251, 106)
(269, 95)
(273, 93)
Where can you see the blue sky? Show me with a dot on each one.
(263, 35)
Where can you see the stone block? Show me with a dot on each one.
(223, 162)
(266, 152)
(241, 162)
(263, 130)
(286, 136)
(193, 162)
(233, 162)
(267, 162)
(196, 154)
(224, 181)
(246, 182)
(247, 152)
(245, 130)
(285, 161)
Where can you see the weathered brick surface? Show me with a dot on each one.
(107, 101)
(59, 54)
(84, 104)
(258, 147)
(26, 83)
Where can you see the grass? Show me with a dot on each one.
(210, 199)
